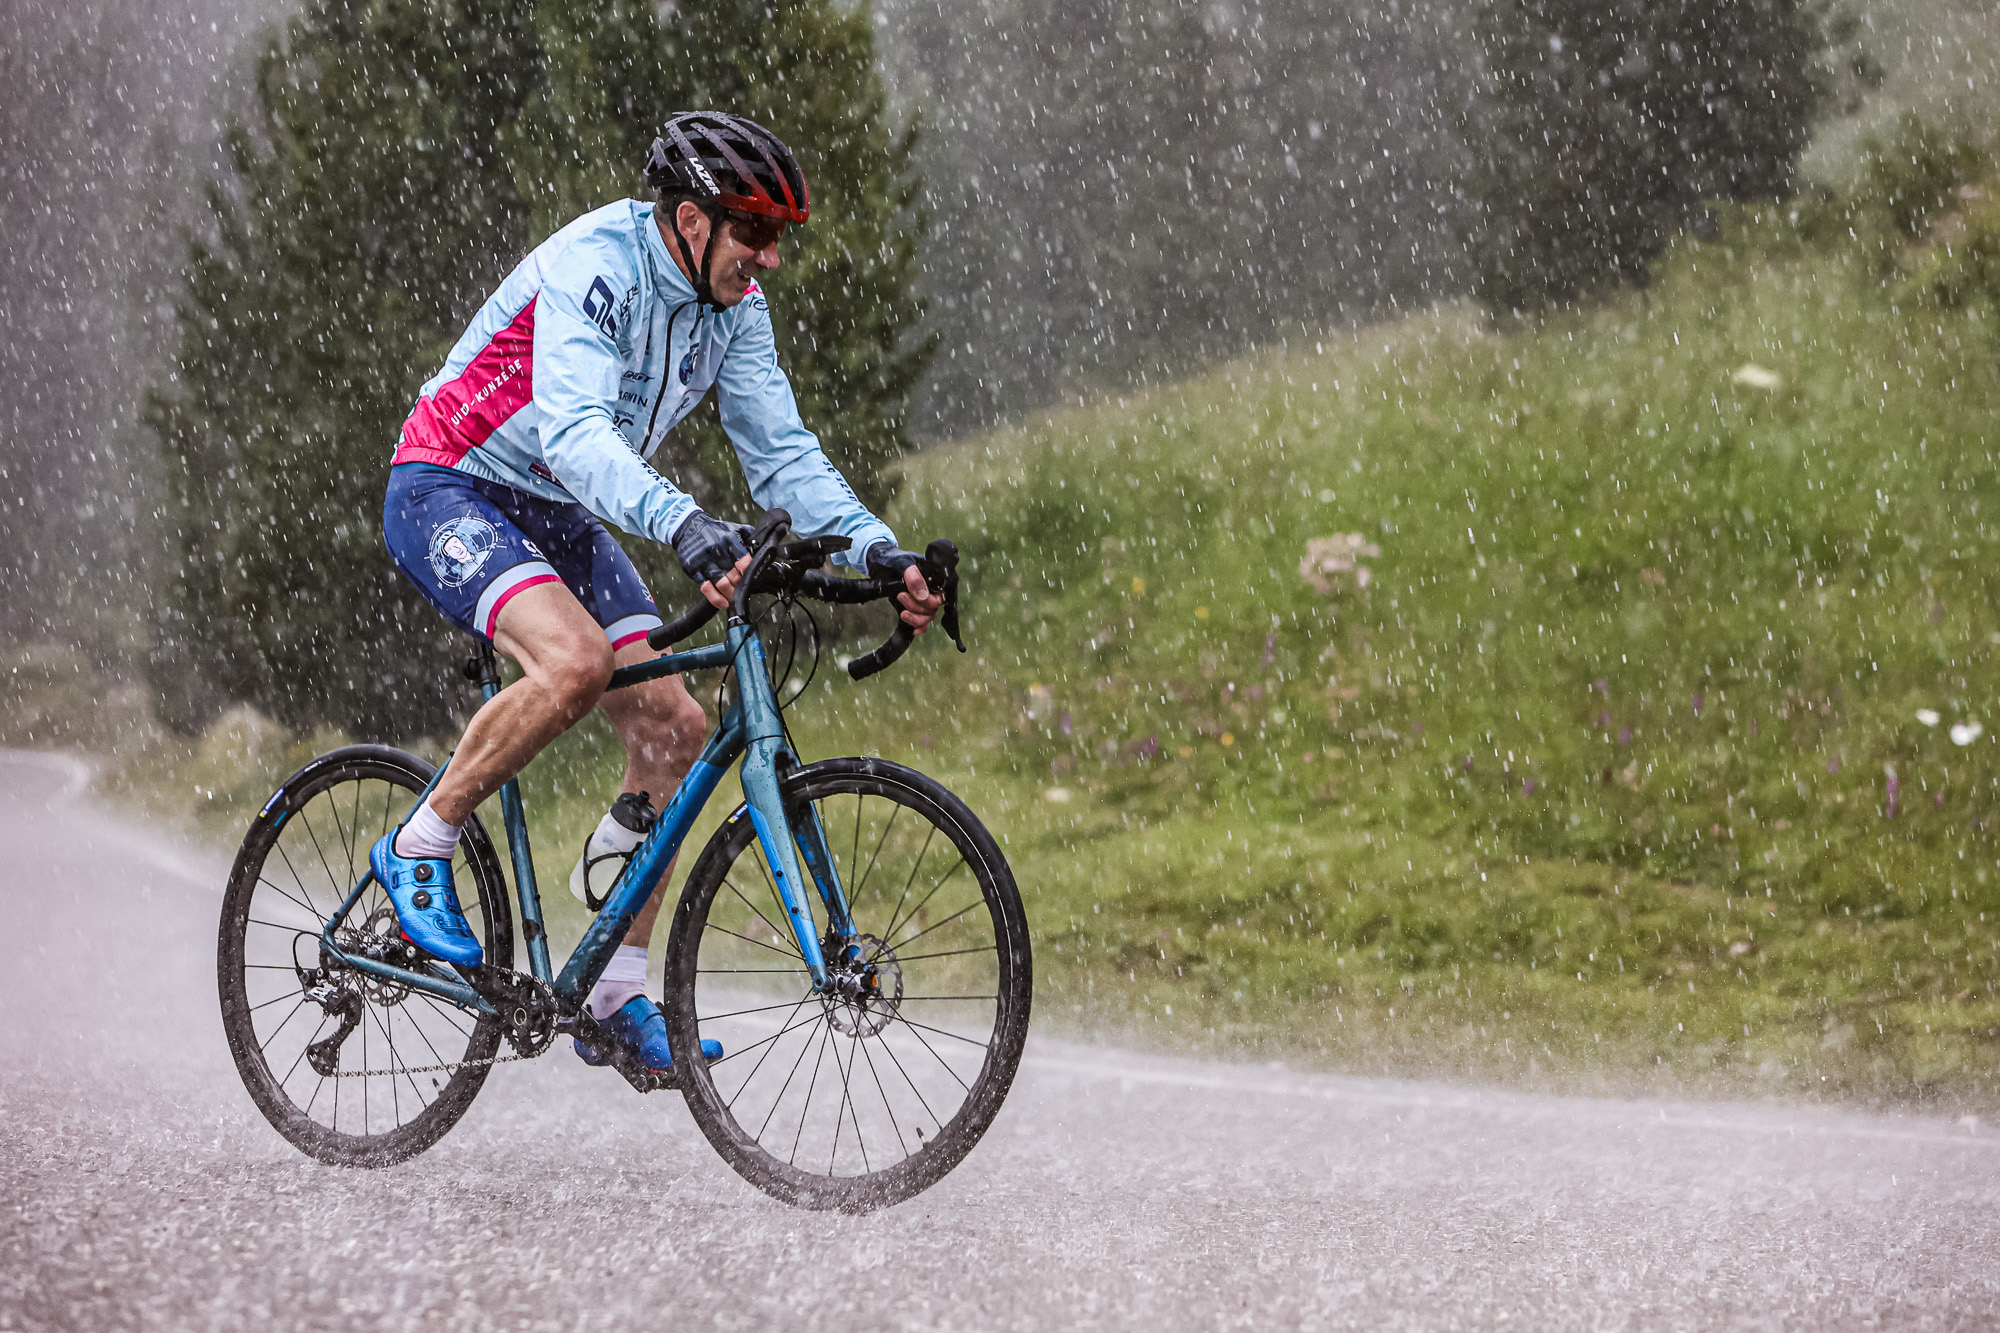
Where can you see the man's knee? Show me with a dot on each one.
(576, 673)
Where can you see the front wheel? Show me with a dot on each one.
(868, 1093)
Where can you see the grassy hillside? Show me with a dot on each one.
(1618, 763)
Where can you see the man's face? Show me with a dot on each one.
(745, 248)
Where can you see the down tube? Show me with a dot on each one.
(647, 871)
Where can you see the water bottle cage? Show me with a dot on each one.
(591, 900)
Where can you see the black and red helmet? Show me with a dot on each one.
(729, 162)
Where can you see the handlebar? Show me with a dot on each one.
(777, 566)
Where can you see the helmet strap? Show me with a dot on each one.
(704, 289)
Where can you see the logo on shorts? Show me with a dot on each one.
(459, 549)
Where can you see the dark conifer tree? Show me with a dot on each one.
(1603, 124)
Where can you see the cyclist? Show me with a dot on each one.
(535, 434)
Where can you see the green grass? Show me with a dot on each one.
(1592, 779)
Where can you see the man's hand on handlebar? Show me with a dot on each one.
(721, 590)
(713, 554)
(920, 605)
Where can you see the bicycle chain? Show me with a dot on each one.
(427, 1069)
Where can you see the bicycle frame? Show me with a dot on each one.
(749, 731)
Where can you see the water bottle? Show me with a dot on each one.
(610, 847)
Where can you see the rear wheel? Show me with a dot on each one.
(868, 1093)
(410, 1064)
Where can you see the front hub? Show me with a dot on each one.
(864, 990)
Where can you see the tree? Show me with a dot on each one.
(397, 159)
(1603, 124)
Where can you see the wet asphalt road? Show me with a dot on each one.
(140, 1189)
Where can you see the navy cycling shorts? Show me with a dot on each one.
(470, 544)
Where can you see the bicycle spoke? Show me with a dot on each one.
(339, 893)
(761, 1009)
(921, 854)
(854, 853)
(775, 932)
(914, 1031)
(308, 906)
(935, 889)
(781, 1091)
(770, 1041)
(948, 953)
(874, 856)
(778, 971)
(265, 1044)
(846, 1104)
(896, 1060)
(887, 1110)
(925, 1027)
(353, 830)
(279, 1000)
(747, 940)
(826, 1036)
(289, 930)
(299, 880)
(939, 926)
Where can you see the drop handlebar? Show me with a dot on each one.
(793, 568)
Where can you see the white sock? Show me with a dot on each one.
(624, 981)
(426, 836)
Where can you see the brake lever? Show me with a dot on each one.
(943, 554)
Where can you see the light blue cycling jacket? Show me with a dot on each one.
(570, 375)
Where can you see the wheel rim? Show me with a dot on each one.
(866, 1080)
(385, 1088)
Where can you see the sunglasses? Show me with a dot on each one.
(758, 233)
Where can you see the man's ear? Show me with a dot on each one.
(690, 220)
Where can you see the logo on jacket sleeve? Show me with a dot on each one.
(459, 548)
(597, 305)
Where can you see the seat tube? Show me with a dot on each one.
(486, 671)
(759, 775)
(525, 888)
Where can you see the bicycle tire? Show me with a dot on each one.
(713, 1093)
(249, 967)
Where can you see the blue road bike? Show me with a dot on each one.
(851, 938)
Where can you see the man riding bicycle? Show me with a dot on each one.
(536, 433)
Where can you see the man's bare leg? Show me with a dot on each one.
(565, 661)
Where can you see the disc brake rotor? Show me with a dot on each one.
(379, 938)
(867, 990)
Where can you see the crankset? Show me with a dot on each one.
(527, 1007)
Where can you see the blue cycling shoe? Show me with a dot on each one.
(641, 1026)
(426, 903)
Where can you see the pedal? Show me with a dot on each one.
(623, 1058)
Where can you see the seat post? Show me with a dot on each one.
(483, 669)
